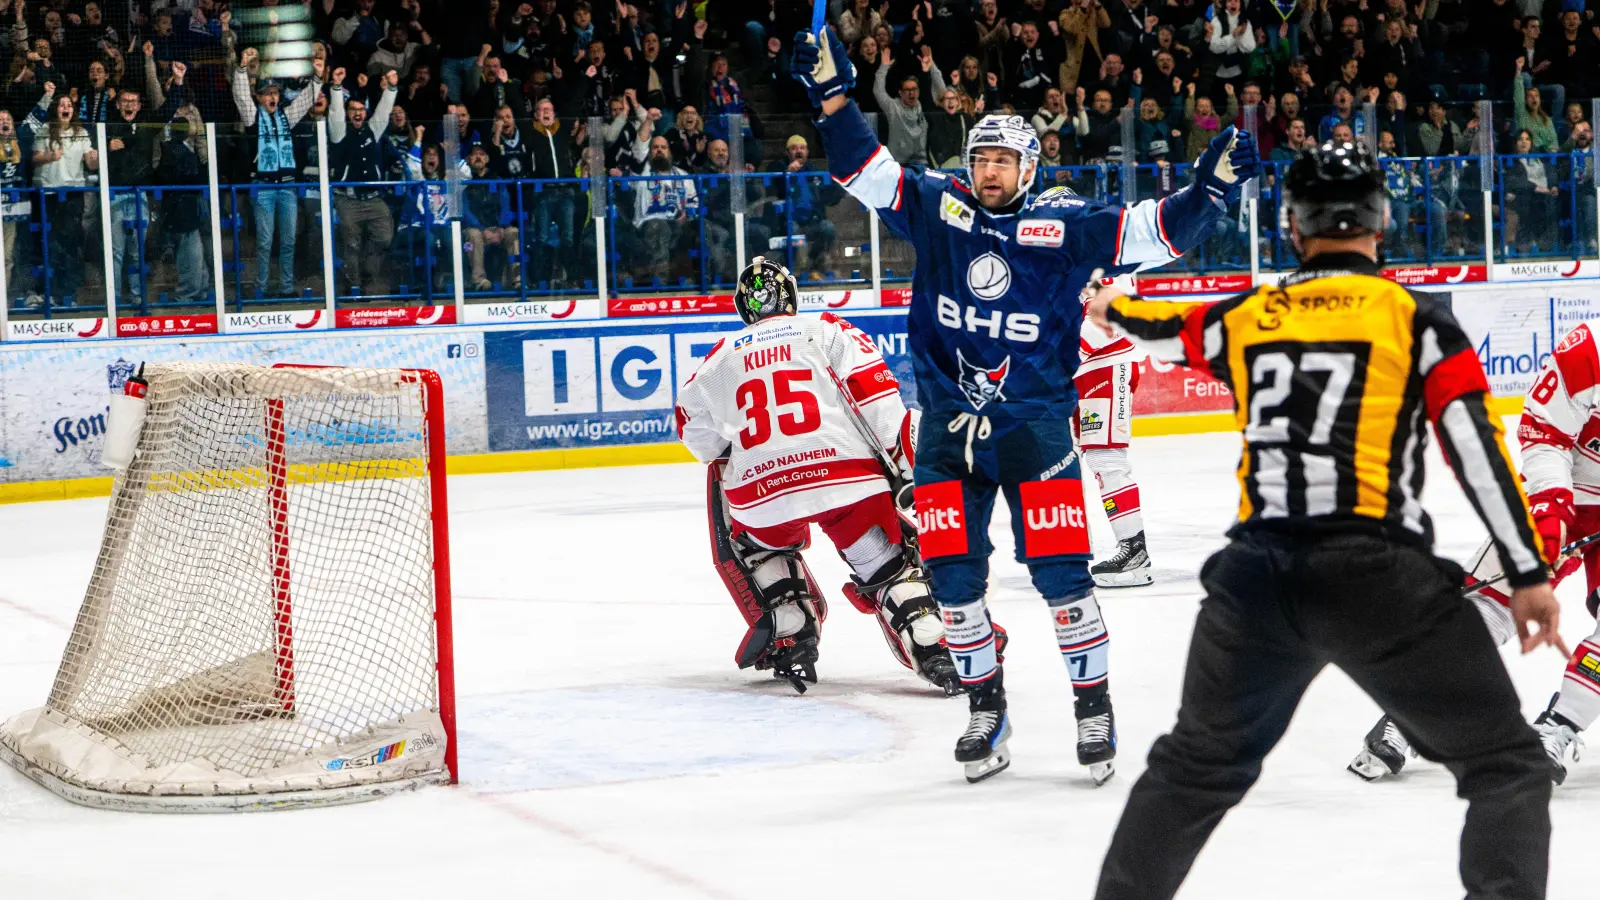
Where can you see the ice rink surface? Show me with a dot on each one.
(609, 748)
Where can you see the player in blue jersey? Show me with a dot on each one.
(994, 329)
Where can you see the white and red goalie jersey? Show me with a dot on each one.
(765, 395)
(1560, 428)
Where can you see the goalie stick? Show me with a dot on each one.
(859, 419)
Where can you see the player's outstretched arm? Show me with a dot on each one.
(1153, 232)
(1170, 332)
(856, 159)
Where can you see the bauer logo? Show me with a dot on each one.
(1053, 519)
(1041, 233)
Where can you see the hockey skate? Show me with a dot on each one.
(1097, 741)
(1384, 752)
(1128, 567)
(1558, 737)
(982, 747)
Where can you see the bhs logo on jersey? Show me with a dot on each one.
(982, 385)
(1041, 233)
(988, 277)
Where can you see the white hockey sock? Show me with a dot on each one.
(870, 553)
(1579, 702)
(1085, 644)
(1118, 491)
(970, 638)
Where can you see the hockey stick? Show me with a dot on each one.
(819, 18)
(1574, 547)
(859, 419)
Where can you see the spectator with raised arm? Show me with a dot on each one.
(63, 157)
(907, 132)
(16, 199)
(270, 164)
(356, 159)
(131, 139)
(662, 206)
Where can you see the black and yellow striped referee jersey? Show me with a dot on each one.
(1334, 374)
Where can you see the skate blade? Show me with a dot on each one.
(1136, 578)
(1101, 772)
(1368, 767)
(996, 762)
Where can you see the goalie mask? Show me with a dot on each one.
(765, 289)
(1008, 133)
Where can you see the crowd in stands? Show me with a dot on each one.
(523, 80)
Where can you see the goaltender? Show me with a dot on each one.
(1333, 374)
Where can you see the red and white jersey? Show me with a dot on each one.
(1560, 428)
(795, 451)
(1096, 349)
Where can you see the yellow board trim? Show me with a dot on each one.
(634, 455)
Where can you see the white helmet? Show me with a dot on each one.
(1012, 133)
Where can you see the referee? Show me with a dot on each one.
(1333, 375)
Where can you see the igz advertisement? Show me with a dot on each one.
(597, 386)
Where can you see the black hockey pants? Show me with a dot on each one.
(1277, 609)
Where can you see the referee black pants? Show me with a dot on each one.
(1276, 611)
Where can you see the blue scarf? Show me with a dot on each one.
(274, 146)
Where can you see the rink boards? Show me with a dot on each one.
(559, 394)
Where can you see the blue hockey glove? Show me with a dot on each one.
(824, 68)
(1230, 161)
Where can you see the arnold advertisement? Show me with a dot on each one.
(55, 396)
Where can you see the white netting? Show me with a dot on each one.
(261, 616)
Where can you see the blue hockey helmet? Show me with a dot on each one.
(1009, 133)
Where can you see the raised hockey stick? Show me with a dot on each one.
(819, 18)
(1574, 547)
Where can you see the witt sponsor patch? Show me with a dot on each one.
(1053, 518)
(941, 519)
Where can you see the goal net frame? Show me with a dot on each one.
(83, 763)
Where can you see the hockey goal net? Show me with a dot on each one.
(268, 622)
